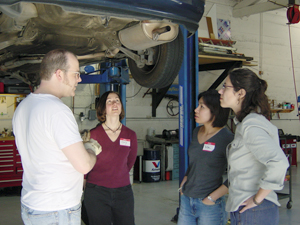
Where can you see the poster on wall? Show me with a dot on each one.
(3, 105)
(224, 30)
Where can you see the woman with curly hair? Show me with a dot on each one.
(256, 163)
(108, 196)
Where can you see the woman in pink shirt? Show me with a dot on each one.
(108, 196)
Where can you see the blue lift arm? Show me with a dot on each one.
(113, 77)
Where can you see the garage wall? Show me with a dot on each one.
(139, 112)
(265, 37)
(8, 104)
(138, 109)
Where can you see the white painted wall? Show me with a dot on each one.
(138, 110)
(265, 37)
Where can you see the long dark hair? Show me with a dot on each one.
(255, 99)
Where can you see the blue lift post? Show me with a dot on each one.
(113, 77)
(188, 92)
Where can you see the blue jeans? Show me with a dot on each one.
(194, 212)
(265, 214)
(71, 216)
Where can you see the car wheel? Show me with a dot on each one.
(167, 62)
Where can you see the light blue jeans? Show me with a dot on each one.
(71, 216)
(265, 214)
(194, 212)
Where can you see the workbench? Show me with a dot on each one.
(162, 142)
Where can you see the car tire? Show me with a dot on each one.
(168, 59)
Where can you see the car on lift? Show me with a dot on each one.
(146, 32)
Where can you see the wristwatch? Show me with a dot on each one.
(210, 198)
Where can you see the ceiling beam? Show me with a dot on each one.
(245, 3)
(248, 7)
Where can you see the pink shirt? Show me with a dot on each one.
(116, 159)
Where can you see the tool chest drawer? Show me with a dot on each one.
(11, 170)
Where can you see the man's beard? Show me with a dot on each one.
(66, 81)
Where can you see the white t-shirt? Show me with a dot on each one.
(43, 125)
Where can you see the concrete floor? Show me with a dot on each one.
(156, 203)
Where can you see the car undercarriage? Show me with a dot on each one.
(29, 30)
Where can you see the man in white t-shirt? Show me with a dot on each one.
(53, 156)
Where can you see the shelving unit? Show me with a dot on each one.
(281, 110)
(224, 62)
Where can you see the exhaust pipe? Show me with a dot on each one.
(147, 34)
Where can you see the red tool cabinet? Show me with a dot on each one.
(10, 163)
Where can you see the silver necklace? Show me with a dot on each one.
(114, 131)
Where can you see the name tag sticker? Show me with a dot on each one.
(209, 146)
(124, 142)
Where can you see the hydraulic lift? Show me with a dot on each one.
(112, 76)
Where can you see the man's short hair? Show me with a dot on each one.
(54, 60)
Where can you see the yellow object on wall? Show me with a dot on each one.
(3, 105)
(8, 104)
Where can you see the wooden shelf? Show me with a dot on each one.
(210, 59)
(281, 110)
(205, 58)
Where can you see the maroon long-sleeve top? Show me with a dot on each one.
(116, 159)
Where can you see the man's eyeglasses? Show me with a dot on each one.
(77, 74)
(226, 86)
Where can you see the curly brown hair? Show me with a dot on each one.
(101, 107)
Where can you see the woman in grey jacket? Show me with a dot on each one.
(256, 163)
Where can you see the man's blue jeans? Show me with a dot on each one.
(265, 214)
(71, 216)
(194, 212)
